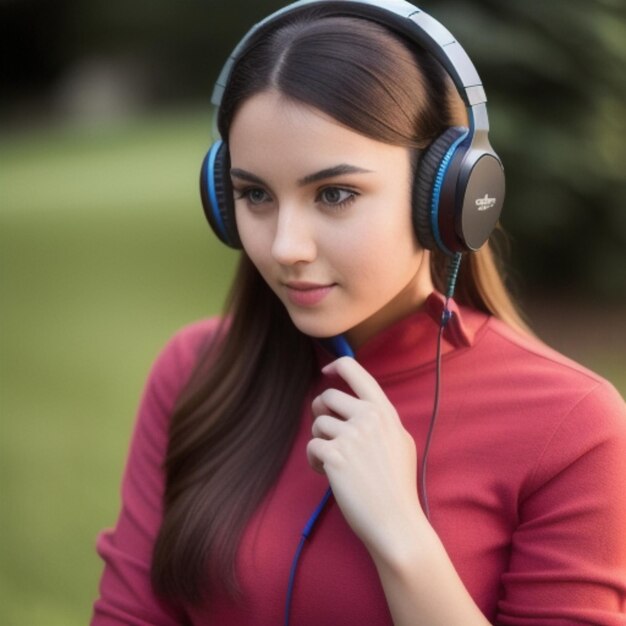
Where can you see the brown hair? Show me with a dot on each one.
(235, 421)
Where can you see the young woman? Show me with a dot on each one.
(477, 476)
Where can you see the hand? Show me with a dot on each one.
(369, 458)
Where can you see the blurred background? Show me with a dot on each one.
(104, 119)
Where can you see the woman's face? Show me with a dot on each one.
(324, 214)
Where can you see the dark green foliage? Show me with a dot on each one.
(554, 72)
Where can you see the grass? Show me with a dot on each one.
(104, 252)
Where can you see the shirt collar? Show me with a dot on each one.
(411, 342)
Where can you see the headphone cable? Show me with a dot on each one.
(446, 314)
(306, 532)
(342, 346)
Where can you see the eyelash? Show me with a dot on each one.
(337, 206)
(245, 194)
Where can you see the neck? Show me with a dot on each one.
(409, 299)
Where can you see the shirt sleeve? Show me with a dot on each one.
(568, 554)
(126, 596)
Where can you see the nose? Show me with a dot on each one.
(294, 240)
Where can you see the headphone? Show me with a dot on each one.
(458, 190)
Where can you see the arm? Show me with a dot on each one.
(568, 553)
(126, 595)
(370, 461)
(568, 556)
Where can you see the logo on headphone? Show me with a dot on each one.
(485, 203)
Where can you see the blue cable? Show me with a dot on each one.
(454, 274)
(340, 346)
(306, 532)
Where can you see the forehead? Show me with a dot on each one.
(270, 131)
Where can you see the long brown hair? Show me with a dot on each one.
(234, 423)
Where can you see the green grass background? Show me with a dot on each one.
(104, 252)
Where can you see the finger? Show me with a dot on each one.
(336, 403)
(316, 452)
(358, 379)
(327, 427)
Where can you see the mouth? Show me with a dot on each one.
(307, 294)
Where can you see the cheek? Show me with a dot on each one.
(380, 257)
(381, 238)
(253, 237)
(363, 257)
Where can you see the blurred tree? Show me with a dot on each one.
(554, 73)
(32, 54)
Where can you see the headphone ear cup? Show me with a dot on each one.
(217, 194)
(431, 169)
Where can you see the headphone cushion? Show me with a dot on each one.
(217, 195)
(428, 170)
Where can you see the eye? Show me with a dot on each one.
(336, 197)
(253, 195)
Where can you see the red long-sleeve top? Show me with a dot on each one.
(526, 486)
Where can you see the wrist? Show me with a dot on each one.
(404, 545)
(418, 578)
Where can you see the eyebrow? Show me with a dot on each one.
(329, 172)
(235, 172)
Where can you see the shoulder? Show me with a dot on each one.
(177, 359)
(547, 382)
(530, 357)
(184, 346)
(552, 420)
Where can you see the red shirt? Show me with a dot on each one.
(526, 485)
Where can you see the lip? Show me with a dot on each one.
(307, 294)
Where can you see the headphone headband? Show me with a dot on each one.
(402, 17)
(458, 190)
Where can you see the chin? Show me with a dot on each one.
(317, 328)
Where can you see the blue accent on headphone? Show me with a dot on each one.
(434, 203)
(210, 178)
(471, 228)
